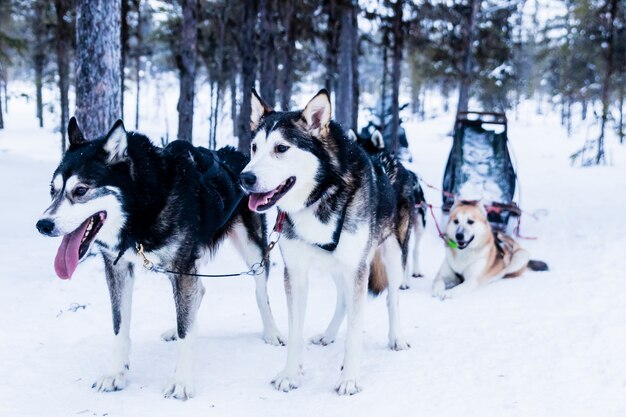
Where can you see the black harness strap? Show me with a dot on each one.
(336, 234)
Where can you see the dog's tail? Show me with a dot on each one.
(535, 265)
(378, 281)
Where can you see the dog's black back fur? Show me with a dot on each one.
(166, 192)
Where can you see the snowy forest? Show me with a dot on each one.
(514, 108)
(568, 56)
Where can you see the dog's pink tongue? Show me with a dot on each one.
(66, 260)
(255, 201)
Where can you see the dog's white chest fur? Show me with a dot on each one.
(461, 261)
(311, 230)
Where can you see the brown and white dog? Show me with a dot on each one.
(475, 255)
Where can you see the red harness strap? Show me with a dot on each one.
(280, 221)
(432, 213)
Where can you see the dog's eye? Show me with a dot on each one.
(80, 191)
(456, 221)
(253, 147)
(470, 221)
(281, 148)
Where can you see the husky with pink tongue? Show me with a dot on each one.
(344, 215)
(179, 202)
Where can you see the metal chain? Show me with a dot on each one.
(256, 268)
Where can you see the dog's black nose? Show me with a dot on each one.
(248, 179)
(459, 237)
(45, 226)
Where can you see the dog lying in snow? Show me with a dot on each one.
(475, 255)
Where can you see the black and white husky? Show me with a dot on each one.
(179, 202)
(344, 215)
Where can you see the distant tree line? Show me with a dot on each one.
(493, 53)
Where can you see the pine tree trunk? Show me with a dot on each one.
(39, 52)
(39, 63)
(268, 67)
(621, 112)
(98, 95)
(332, 43)
(211, 120)
(248, 52)
(186, 63)
(138, 63)
(137, 89)
(233, 103)
(1, 111)
(606, 84)
(343, 94)
(470, 34)
(5, 84)
(398, 41)
(216, 113)
(356, 90)
(383, 93)
(124, 51)
(569, 114)
(63, 40)
(287, 57)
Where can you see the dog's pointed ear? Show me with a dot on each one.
(116, 142)
(317, 113)
(352, 136)
(74, 134)
(377, 139)
(258, 110)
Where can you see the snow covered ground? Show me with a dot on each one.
(546, 344)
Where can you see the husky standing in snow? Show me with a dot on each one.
(342, 215)
(376, 146)
(178, 202)
(475, 256)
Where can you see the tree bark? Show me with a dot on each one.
(268, 67)
(288, 53)
(124, 50)
(345, 88)
(39, 64)
(63, 41)
(621, 111)
(186, 62)
(470, 34)
(137, 64)
(233, 103)
(383, 94)
(606, 84)
(247, 48)
(398, 42)
(98, 95)
(356, 90)
(1, 111)
(332, 43)
(39, 51)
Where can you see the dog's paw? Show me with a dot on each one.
(348, 386)
(286, 381)
(274, 338)
(398, 343)
(439, 289)
(112, 382)
(405, 285)
(323, 339)
(179, 390)
(170, 335)
(418, 274)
